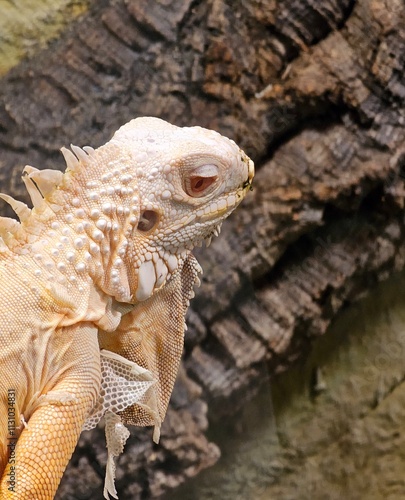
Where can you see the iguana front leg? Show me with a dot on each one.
(49, 437)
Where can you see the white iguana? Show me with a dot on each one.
(95, 283)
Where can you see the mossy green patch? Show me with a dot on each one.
(27, 26)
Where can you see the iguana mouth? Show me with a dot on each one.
(251, 174)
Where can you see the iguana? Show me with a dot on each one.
(95, 282)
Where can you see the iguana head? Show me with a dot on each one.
(188, 180)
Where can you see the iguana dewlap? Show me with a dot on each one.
(95, 282)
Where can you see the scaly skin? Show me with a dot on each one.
(96, 280)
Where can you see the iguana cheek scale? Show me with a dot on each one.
(96, 279)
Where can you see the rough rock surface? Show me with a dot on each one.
(331, 427)
(315, 94)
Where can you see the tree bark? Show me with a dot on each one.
(314, 92)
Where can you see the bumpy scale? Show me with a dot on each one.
(95, 281)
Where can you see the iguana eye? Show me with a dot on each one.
(198, 181)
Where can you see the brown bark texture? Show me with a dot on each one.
(314, 92)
